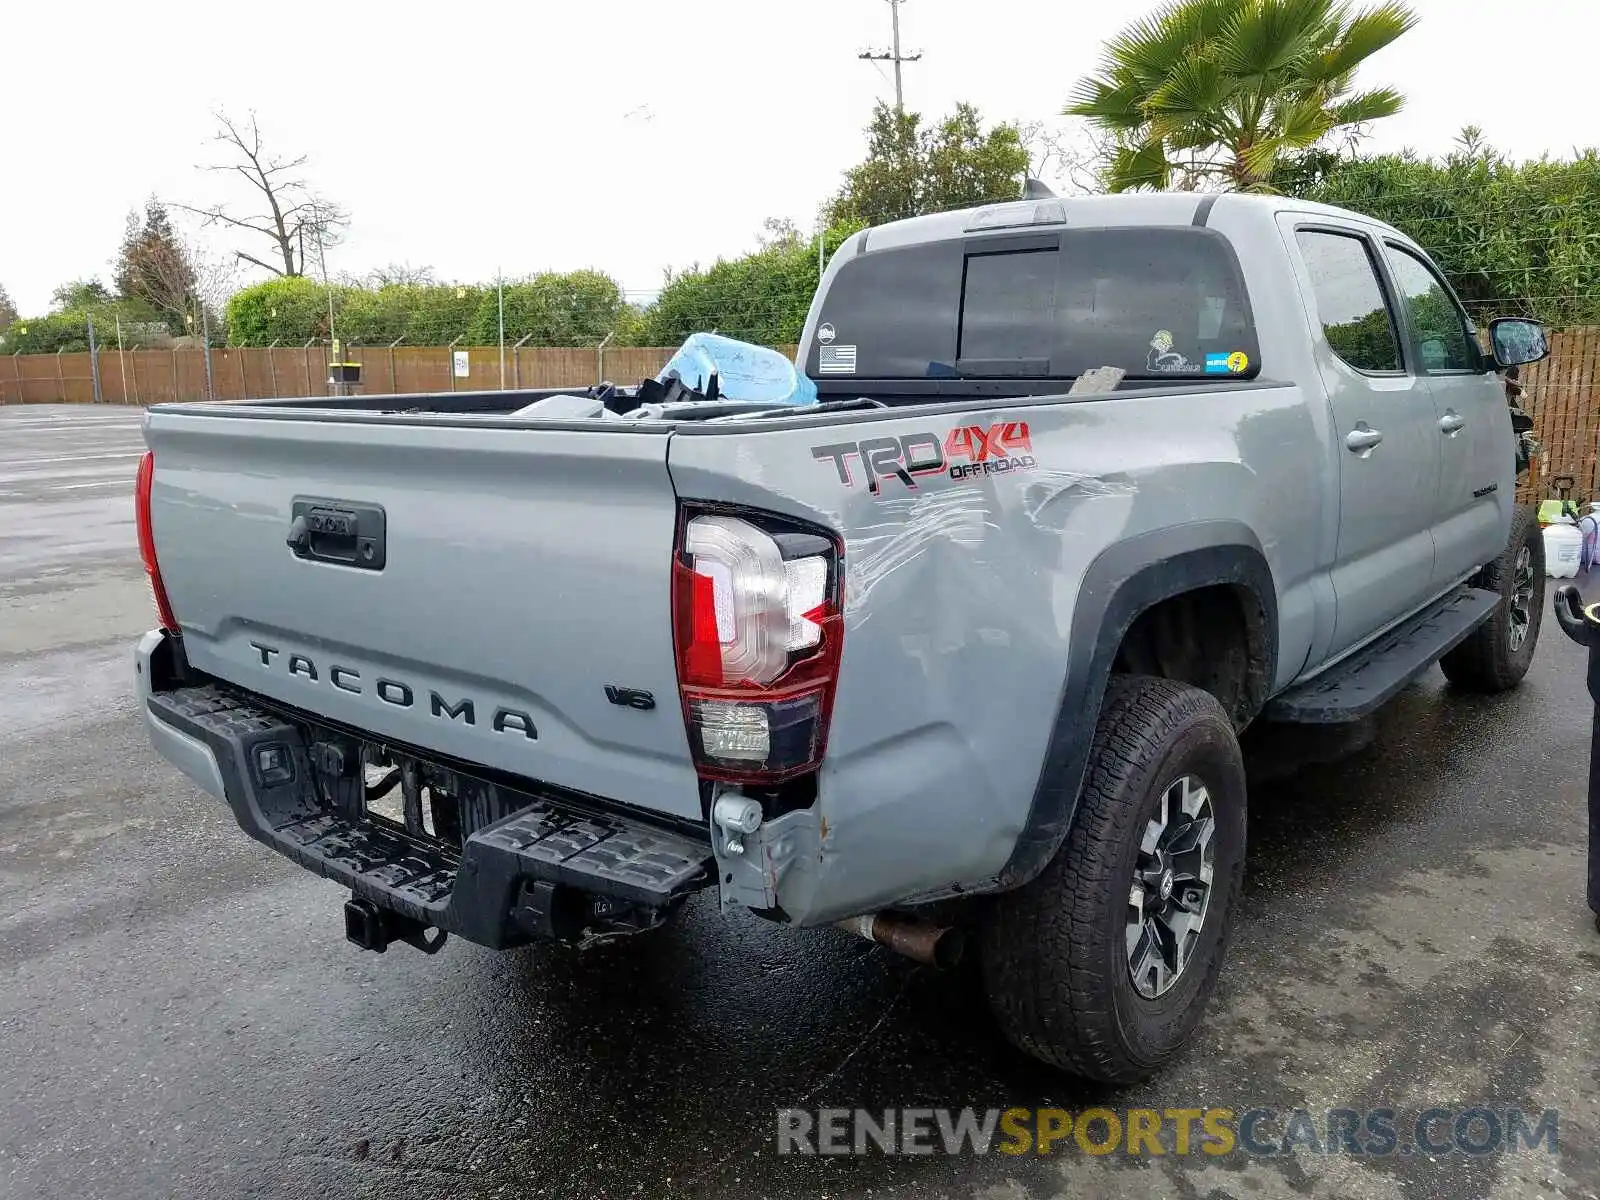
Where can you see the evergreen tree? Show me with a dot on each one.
(154, 266)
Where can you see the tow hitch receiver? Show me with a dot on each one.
(372, 928)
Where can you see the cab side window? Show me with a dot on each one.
(1350, 300)
(1444, 335)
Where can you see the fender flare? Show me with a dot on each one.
(1123, 581)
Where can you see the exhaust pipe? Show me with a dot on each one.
(938, 946)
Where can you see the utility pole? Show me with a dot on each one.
(322, 258)
(94, 361)
(205, 340)
(894, 56)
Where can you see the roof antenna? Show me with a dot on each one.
(1036, 189)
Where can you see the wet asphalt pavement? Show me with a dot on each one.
(180, 1015)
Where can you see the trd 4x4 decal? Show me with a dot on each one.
(966, 451)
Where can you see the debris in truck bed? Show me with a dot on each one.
(737, 371)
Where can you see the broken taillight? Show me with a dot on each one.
(758, 625)
(147, 539)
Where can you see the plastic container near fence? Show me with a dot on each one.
(1589, 527)
(1551, 511)
(1563, 549)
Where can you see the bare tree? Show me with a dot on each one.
(208, 281)
(216, 277)
(778, 233)
(1067, 156)
(286, 211)
(397, 274)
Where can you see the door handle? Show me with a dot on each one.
(1362, 439)
(1451, 423)
(338, 531)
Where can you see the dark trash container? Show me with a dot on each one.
(1582, 625)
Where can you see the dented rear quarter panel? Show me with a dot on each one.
(960, 595)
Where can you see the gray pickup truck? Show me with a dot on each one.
(964, 648)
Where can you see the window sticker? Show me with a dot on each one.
(1236, 363)
(1163, 359)
(836, 360)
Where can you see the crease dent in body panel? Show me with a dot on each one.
(1045, 488)
(909, 528)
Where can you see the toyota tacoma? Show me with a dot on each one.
(965, 647)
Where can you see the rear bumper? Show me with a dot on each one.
(547, 869)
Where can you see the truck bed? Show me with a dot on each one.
(521, 616)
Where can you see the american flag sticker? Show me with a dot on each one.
(836, 360)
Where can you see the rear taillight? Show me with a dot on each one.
(758, 624)
(147, 539)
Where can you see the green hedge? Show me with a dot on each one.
(761, 297)
(1513, 237)
(288, 311)
(574, 309)
(577, 309)
(67, 331)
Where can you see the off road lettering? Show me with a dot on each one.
(963, 453)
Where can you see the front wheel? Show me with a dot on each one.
(1498, 653)
(1103, 964)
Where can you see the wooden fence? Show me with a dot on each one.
(1563, 391)
(1563, 397)
(158, 376)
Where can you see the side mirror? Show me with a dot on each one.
(1516, 341)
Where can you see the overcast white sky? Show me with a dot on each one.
(473, 136)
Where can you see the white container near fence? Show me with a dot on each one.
(1563, 549)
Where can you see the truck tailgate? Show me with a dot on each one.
(523, 572)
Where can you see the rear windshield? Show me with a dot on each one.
(1157, 302)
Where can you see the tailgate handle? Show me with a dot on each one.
(338, 531)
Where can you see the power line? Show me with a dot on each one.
(893, 55)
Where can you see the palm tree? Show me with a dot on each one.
(1222, 90)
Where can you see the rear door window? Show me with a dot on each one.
(1445, 337)
(1351, 305)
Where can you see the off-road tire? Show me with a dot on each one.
(1488, 661)
(1054, 952)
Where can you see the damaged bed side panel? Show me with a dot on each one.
(969, 533)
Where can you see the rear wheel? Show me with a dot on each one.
(1104, 963)
(1498, 653)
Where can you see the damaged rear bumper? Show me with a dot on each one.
(545, 866)
(548, 869)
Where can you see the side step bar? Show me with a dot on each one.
(1366, 680)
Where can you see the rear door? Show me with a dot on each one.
(515, 575)
(1472, 506)
(1384, 431)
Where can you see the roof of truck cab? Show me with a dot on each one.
(1125, 208)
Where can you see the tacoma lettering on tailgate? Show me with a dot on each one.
(394, 692)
